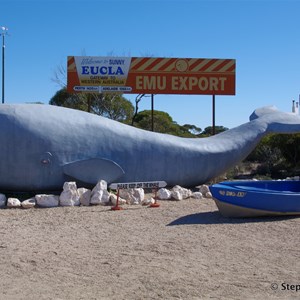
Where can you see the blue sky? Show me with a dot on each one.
(263, 36)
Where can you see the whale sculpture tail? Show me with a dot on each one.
(262, 111)
(277, 121)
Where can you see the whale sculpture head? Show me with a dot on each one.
(43, 146)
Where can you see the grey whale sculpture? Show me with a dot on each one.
(42, 146)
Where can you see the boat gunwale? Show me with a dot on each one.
(257, 199)
(251, 189)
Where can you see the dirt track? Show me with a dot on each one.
(181, 250)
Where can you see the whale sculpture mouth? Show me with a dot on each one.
(87, 148)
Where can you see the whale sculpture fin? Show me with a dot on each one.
(94, 169)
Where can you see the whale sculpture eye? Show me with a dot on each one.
(46, 158)
(45, 161)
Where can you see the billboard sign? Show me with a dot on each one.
(151, 75)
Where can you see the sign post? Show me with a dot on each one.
(152, 112)
(117, 206)
(213, 114)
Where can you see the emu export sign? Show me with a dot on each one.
(150, 75)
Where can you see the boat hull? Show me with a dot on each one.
(234, 211)
(257, 198)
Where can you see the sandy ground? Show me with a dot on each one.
(181, 250)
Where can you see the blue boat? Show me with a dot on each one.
(257, 198)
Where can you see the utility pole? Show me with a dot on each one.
(3, 33)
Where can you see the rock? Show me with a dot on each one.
(176, 195)
(148, 201)
(69, 195)
(133, 196)
(179, 193)
(44, 200)
(100, 195)
(84, 196)
(29, 203)
(138, 196)
(101, 185)
(197, 195)
(13, 203)
(125, 194)
(164, 194)
(113, 199)
(203, 189)
(208, 195)
(2, 200)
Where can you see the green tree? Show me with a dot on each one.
(289, 146)
(65, 99)
(193, 129)
(113, 106)
(209, 130)
(269, 156)
(278, 155)
(163, 123)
